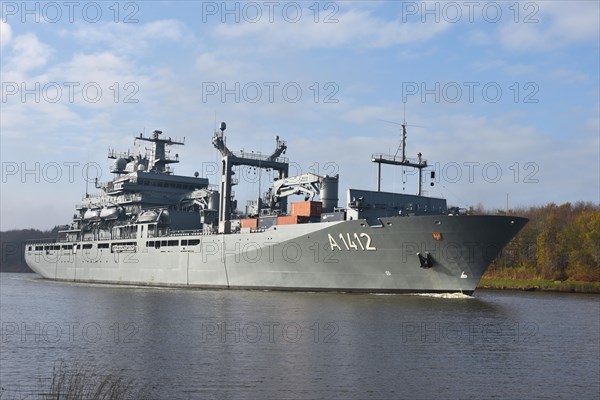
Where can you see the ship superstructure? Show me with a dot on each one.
(149, 226)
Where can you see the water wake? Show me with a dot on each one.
(456, 295)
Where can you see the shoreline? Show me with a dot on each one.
(531, 285)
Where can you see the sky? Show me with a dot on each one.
(501, 98)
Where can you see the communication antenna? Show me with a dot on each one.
(402, 144)
(418, 163)
(87, 176)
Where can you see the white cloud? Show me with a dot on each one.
(357, 28)
(221, 65)
(170, 30)
(26, 121)
(128, 38)
(104, 68)
(5, 34)
(557, 24)
(574, 20)
(28, 53)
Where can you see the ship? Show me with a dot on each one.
(150, 226)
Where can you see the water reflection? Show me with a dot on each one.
(250, 344)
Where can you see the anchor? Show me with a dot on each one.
(426, 261)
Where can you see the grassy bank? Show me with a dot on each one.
(539, 285)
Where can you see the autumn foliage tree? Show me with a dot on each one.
(559, 243)
(582, 237)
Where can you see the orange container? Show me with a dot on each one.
(292, 220)
(249, 223)
(307, 208)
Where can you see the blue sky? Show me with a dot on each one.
(503, 96)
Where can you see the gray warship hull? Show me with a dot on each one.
(400, 254)
(148, 226)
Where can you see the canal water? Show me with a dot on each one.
(214, 344)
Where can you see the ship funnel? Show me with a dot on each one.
(213, 201)
(329, 193)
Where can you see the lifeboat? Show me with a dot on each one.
(91, 214)
(109, 213)
(148, 216)
(160, 216)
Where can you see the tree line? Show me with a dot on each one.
(12, 244)
(560, 242)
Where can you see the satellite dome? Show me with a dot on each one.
(120, 164)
